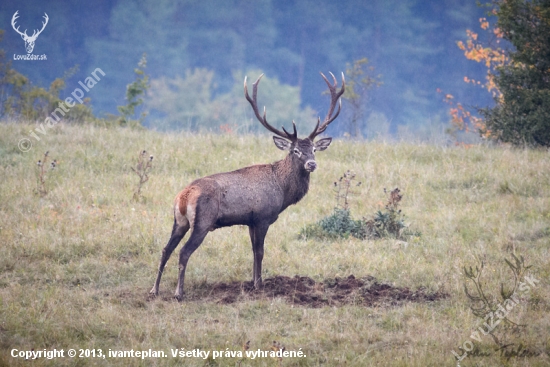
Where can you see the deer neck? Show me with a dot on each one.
(293, 180)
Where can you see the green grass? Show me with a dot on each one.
(76, 265)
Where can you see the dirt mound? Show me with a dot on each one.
(304, 291)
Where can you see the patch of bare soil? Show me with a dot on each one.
(306, 292)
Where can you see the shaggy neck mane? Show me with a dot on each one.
(293, 179)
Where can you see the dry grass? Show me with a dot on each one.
(77, 264)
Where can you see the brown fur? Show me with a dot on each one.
(182, 199)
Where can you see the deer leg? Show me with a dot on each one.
(257, 236)
(178, 232)
(194, 241)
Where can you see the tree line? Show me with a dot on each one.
(199, 52)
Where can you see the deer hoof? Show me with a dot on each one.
(154, 292)
(178, 297)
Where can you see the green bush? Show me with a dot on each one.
(389, 223)
(339, 224)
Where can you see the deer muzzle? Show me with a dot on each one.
(310, 166)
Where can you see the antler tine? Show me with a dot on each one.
(13, 19)
(294, 135)
(46, 18)
(314, 132)
(334, 100)
(253, 102)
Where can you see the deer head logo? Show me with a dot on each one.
(29, 40)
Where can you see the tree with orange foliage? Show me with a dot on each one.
(518, 79)
(493, 57)
(522, 113)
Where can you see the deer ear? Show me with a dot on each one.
(323, 144)
(281, 143)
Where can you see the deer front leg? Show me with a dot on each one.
(257, 236)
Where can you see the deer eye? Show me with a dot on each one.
(297, 152)
(314, 149)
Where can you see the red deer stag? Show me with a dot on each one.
(253, 196)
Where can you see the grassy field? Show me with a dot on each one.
(77, 263)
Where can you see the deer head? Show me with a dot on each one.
(301, 151)
(29, 40)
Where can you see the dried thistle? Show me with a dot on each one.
(343, 189)
(142, 169)
(394, 199)
(41, 174)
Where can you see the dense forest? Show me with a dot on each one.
(202, 50)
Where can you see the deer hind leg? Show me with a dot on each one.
(194, 241)
(178, 232)
(202, 214)
(257, 236)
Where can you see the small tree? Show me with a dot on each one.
(134, 93)
(359, 80)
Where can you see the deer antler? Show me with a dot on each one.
(15, 16)
(24, 34)
(253, 102)
(43, 26)
(334, 99)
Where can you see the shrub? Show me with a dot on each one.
(340, 224)
(391, 222)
